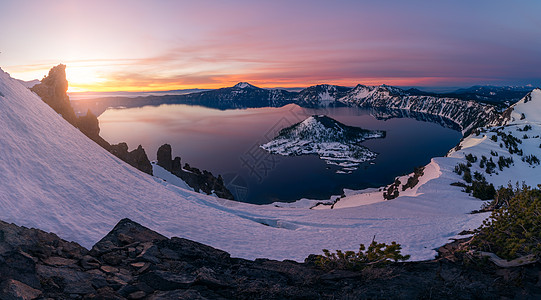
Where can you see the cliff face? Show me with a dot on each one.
(466, 114)
(53, 91)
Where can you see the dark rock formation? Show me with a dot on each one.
(200, 181)
(177, 164)
(53, 91)
(90, 126)
(165, 158)
(136, 158)
(134, 262)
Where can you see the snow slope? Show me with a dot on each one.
(169, 177)
(525, 114)
(52, 177)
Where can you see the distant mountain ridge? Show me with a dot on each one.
(456, 107)
(321, 95)
(466, 114)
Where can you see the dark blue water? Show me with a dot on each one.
(226, 142)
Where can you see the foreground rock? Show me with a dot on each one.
(134, 262)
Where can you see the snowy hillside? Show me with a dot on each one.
(517, 141)
(334, 142)
(52, 177)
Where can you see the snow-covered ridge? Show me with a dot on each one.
(244, 85)
(320, 95)
(517, 140)
(332, 141)
(466, 114)
(527, 110)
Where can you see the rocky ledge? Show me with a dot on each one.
(134, 262)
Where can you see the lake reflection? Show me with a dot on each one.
(226, 142)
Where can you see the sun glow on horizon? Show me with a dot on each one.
(156, 46)
(92, 76)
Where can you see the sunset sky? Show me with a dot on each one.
(163, 45)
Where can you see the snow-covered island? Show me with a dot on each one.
(332, 141)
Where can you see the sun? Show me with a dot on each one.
(83, 79)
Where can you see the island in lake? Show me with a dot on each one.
(334, 142)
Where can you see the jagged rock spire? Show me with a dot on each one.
(53, 91)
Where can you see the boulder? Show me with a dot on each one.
(13, 289)
(127, 231)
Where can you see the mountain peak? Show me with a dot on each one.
(527, 110)
(244, 85)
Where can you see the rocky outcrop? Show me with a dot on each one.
(53, 91)
(90, 126)
(136, 158)
(164, 157)
(201, 181)
(134, 262)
